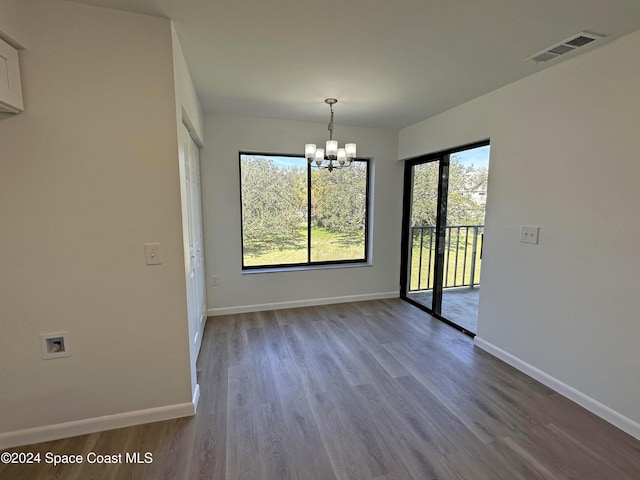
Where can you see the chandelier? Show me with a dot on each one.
(331, 157)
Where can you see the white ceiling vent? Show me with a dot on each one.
(569, 45)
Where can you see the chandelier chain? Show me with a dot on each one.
(330, 127)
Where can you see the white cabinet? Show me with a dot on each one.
(10, 86)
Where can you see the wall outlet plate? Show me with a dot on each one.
(55, 345)
(529, 234)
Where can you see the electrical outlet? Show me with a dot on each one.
(215, 280)
(529, 235)
(55, 345)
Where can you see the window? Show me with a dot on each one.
(295, 215)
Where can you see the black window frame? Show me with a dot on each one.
(309, 262)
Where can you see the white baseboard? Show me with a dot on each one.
(615, 418)
(300, 303)
(57, 431)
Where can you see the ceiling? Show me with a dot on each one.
(390, 63)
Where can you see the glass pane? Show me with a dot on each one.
(464, 233)
(424, 203)
(274, 210)
(339, 213)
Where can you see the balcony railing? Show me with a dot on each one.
(462, 256)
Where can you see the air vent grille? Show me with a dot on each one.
(544, 57)
(561, 49)
(570, 44)
(580, 41)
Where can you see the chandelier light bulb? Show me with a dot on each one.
(332, 149)
(350, 148)
(310, 151)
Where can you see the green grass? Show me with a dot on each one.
(326, 245)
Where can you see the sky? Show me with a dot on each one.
(288, 162)
(476, 157)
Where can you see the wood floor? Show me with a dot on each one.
(368, 390)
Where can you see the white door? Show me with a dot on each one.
(193, 239)
(198, 238)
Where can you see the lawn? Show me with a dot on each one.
(326, 245)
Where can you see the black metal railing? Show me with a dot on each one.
(462, 249)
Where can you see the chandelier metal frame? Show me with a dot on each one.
(331, 157)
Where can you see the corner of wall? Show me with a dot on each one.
(188, 106)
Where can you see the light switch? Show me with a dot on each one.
(529, 235)
(152, 253)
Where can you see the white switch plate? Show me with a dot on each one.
(529, 235)
(152, 253)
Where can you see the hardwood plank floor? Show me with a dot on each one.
(367, 390)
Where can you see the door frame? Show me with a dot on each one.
(443, 178)
(190, 195)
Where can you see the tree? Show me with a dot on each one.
(338, 198)
(425, 194)
(465, 205)
(273, 200)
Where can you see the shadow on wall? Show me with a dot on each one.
(5, 116)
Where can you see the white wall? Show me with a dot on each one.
(226, 135)
(564, 156)
(189, 115)
(88, 174)
(188, 108)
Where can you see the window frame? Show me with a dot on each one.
(309, 264)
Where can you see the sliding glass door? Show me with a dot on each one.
(443, 231)
(422, 252)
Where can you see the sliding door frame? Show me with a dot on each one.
(443, 157)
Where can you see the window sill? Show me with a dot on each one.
(299, 268)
